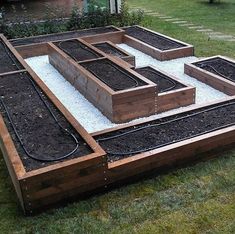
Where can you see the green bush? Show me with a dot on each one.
(96, 16)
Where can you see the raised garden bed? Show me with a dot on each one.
(78, 50)
(172, 93)
(112, 50)
(169, 141)
(37, 46)
(155, 44)
(217, 71)
(120, 93)
(49, 155)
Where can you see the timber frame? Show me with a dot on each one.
(71, 179)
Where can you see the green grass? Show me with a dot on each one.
(197, 199)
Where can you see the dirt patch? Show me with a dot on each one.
(155, 134)
(7, 60)
(164, 83)
(62, 36)
(109, 49)
(77, 50)
(218, 66)
(150, 38)
(112, 75)
(36, 127)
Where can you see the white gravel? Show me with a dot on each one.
(87, 114)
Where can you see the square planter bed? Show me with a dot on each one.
(155, 44)
(168, 142)
(172, 93)
(117, 91)
(111, 49)
(37, 45)
(217, 71)
(50, 157)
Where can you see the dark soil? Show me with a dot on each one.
(8, 62)
(158, 136)
(77, 50)
(109, 49)
(219, 66)
(112, 75)
(39, 132)
(157, 41)
(62, 36)
(164, 83)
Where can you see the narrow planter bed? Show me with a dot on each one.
(217, 71)
(112, 50)
(172, 93)
(155, 44)
(169, 141)
(117, 91)
(37, 45)
(50, 157)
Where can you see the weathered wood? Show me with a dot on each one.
(211, 79)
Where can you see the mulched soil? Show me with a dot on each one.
(112, 75)
(77, 50)
(164, 83)
(6, 63)
(157, 136)
(62, 36)
(219, 66)
(37, 129)
(109, 49)
(150, 38)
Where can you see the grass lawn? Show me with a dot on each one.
(196, 199)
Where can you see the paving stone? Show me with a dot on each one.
(204, 30)
(186, 25)
(195, 27)
(179, 22)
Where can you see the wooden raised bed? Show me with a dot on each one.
(51, 183)
(113, 50)
(175, 49)
(173, 154)
(211, 78)
(168, 96)
(119, 106)
(37, 45)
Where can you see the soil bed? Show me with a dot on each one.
(77, 50)
(150, 38)
(112, 75)
(62, 36)
(40, 134)
(7, 59)
(164, 83)
(171, 130)
(218, 66)
(109, 49)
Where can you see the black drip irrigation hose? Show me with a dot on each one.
(163, 77)
(160, 124)
(204, 65)
(120, 70)
(79, 46)
(52, 114)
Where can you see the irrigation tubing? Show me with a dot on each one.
(160, 124)
(120, 70)
(215, 70)
(51, 113)
(163, 77)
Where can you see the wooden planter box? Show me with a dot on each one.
(176, 154)
(125, 56)
(176, 98)
(118, 106)
(43, 187)
(162, 55)
(209, 78)
(37, 45)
